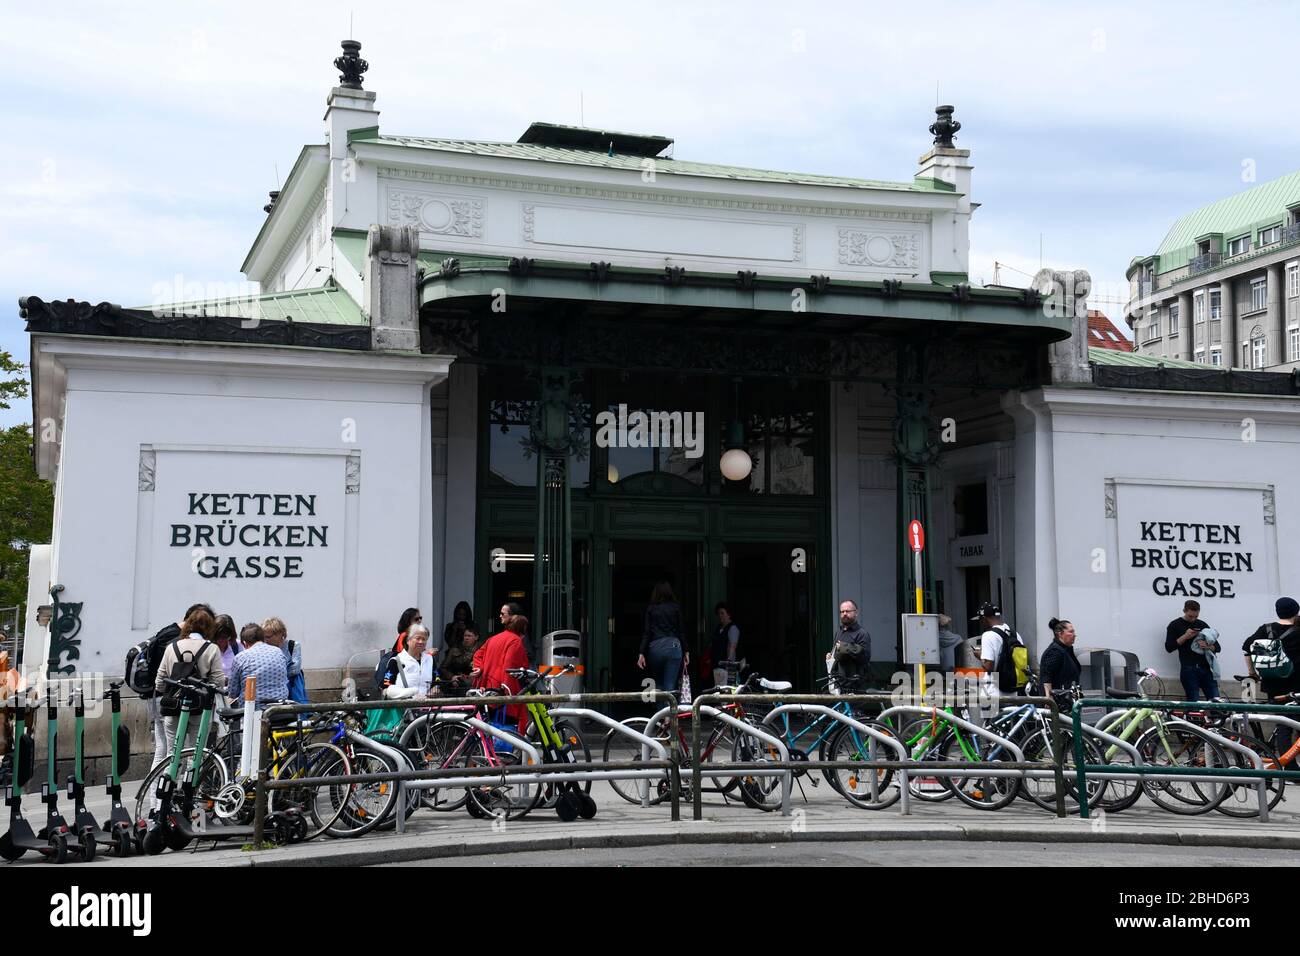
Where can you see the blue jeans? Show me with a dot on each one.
(665, 663)
(1195, 680)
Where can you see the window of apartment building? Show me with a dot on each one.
(1270, 235)
(1198, 307)
(1245, 355)
(1200, 355)
(1258, 295)
(1216, 357)
(1153, 332)
(1173, 320)
(1203, 247)
(1293, 344)
(1216, 305)
(1258, 351)
(1239, 245)
(1293, 279)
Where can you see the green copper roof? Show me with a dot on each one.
(328, 305)
(661, 164)
(1246, 212)
(1115, 357)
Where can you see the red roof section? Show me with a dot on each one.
(1102, 333)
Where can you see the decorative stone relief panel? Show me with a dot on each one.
(441, 215)
(880, 249)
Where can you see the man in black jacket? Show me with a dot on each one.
(1183, 637)
(851, 652)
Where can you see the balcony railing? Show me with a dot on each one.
(1291, 233)
(1205, 262)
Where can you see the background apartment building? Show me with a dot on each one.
(1224, 286)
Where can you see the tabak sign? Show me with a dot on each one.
(1191, 558)
(277, 527)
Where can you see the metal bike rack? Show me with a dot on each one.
(872, 734)
(647, 743)
(750, 730)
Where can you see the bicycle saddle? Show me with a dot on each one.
(230, 713)
(1118, 694)
(774, 685)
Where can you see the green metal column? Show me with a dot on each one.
(552, 440)
(916, 447)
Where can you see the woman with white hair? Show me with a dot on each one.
(410, 672)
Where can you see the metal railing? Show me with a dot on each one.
(1232, 775)
(465, 776)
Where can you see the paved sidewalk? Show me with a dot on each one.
(823, 816)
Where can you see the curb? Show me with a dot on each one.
(385, 853)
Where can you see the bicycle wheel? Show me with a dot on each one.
(315, 801)
(757, 792)
(575, 751)
(362, 806)
(918, 736)
(855, 785)
(212, 778)
(982, 791)
(431, 744)
(1242, 799)
(620, 747)
(719, 747)
(502, 799)
(1182, 747)
(1042, 790)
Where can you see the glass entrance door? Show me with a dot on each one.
(769, 591)
(637, 566)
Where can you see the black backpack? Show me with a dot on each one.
(186, 666)
(1008, 679)
(381, 671)
(144, 659)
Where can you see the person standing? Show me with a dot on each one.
(1183, 637)
(723, 649)
(1286, 632)
(849, 660)
(1059, 668)
(191, 646)
(410, 616)
(277, 635)
(502, 653)
(998, 644)
(259, 660)
(226, 640)
(410, 673)
(949, 641)
(158, 645)
(663, 649)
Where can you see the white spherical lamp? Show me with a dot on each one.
(612, 474)
(736, 464)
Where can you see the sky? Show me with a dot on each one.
(143, 137)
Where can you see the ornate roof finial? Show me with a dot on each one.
(350, 65)
(944, 127)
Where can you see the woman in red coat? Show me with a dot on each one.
(500, 653)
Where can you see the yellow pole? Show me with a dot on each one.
(919, 610)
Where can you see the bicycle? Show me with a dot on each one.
(720, 744)
(560, 742)
(1164, 742)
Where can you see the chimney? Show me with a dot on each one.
(948, 168)
(350, 111)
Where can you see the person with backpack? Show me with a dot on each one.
(1002, 652)
(1273, 660)
(411, 672)
(190, 654)
(227, 641)
(1183, 636)
(141, 674)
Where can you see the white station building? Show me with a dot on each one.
(406, 416)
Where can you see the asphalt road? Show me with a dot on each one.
(884, 853)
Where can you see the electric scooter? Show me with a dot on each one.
(52, 840)
(120, 832)
(171, 823)
(85, 827)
